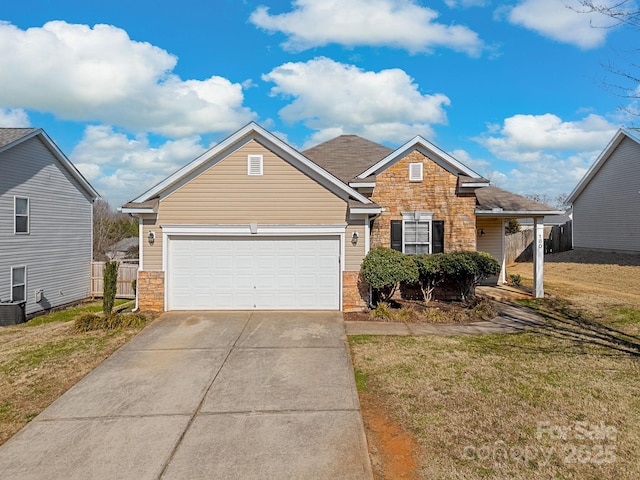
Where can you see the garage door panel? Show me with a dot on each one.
(248, 273)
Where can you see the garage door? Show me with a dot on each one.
(246, 273)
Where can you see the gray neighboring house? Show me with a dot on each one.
(606, 202)
(46, 223)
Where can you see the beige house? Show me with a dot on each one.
(255, 224)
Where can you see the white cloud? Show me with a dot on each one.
(564, 21)
(532, 138)
(99, 74)
(335, 98)
(552, 154)
(14, 118)
(465, 3)
(550, 178)
(394, 23)
(126, 166)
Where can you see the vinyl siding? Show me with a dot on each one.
(606, 215)
(225, 195)
(57, 251)
(354, 253)
(491, 241)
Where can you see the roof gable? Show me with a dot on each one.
(347, 156)
(620, 135)
(11, 137)
(250, 132)
(428, 149)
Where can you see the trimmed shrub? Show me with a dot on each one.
(110, 280)
(384, 268)
(430, 273)
(465, 270)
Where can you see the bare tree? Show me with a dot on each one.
(109, 227)
(626, 78)
(623, 12)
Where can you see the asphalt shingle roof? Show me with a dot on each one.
(488, 198)
(10, 135)
(347, 156)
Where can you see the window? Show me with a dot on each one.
(417, 233)
(254, 165)
(415, 172)
(21, 211)
(18, 284)
(417, 236)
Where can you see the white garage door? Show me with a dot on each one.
(246, 273)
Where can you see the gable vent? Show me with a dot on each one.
(415, 172)
(254, 165)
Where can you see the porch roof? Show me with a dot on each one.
(494, 202)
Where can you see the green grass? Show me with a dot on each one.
(485, 391)
(50, 351)
(71, 313)
(361, 380)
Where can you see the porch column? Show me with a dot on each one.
(503, 270)
(538, 258)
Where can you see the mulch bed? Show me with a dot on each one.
(480, 309)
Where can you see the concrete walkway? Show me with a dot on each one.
(255, 395)
(511, 318)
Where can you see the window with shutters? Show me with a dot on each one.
(254, 164)
(415, 172)
(417, 233)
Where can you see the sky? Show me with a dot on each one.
(133, 90)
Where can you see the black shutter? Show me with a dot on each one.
(437, 236)
(396, 235)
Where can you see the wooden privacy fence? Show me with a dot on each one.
(519, 246)
(126, 274)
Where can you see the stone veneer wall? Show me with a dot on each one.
(355, 292)
(436, 193)
(150, 290)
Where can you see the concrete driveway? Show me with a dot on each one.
(224, 395)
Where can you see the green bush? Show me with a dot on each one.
(384, 268)
(430, 273)
(515, 280)
(465, 270)
(110, 280)
(513, 226)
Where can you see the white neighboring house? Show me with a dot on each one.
(606, 202)
(46, 223)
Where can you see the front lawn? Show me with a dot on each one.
(562, 401)
(43, 358)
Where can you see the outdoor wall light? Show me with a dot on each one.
(354, 239)
(151, 237)
(482, 232)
